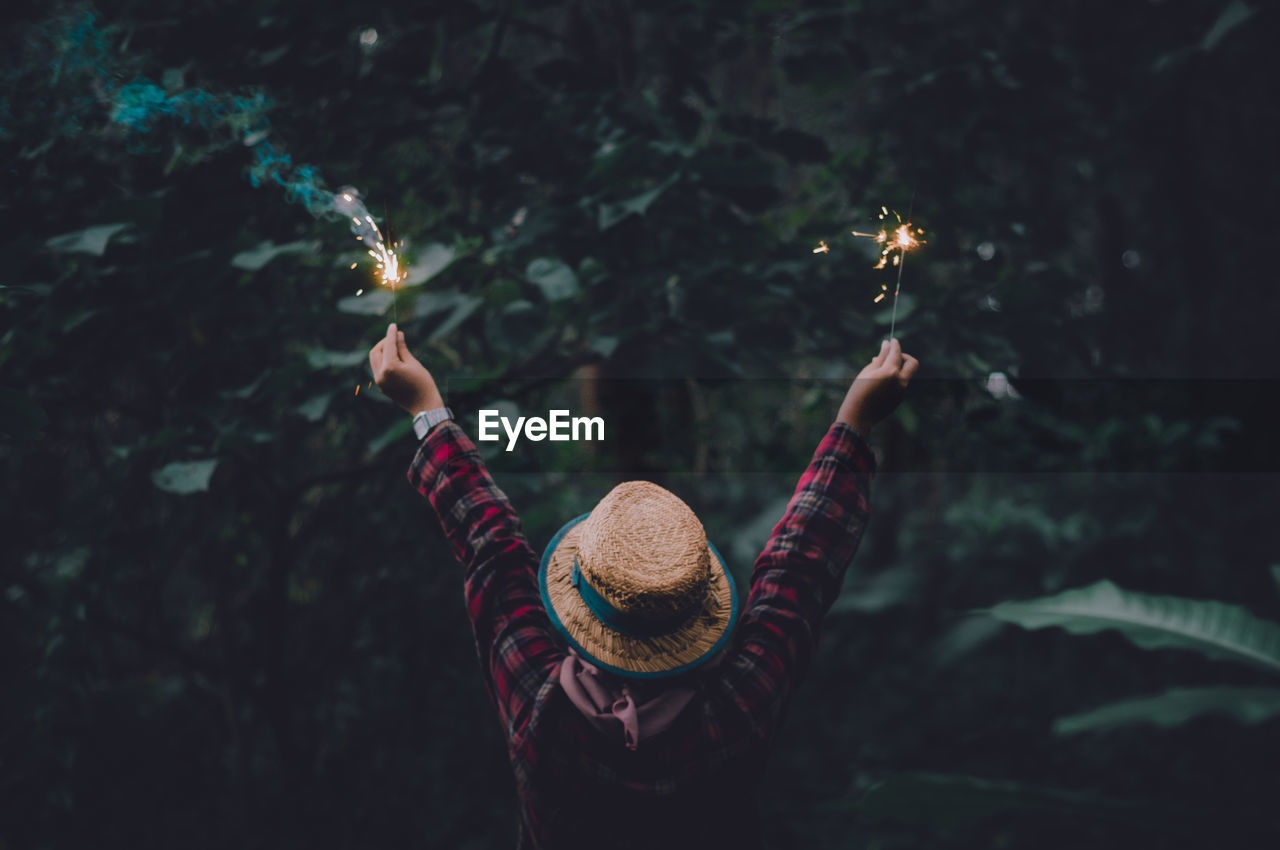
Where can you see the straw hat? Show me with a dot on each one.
(635, 587)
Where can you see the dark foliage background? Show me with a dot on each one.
(611, 207)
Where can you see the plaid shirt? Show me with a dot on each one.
(692, 784)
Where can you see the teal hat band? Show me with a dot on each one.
(621, 621)
(585, 646)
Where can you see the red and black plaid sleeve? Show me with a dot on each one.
(797, 577)
(514, 637)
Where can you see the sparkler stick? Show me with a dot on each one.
(902, 261)
(893, 250)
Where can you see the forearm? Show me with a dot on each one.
(854, 414)
(798, 576)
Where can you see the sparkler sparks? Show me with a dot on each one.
(894, 250)
(386, 261)
(894, 245)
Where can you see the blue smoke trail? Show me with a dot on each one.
(88, 76)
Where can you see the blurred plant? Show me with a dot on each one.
(1214, 629)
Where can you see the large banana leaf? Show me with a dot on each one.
(1215, 629)
(1174, 707)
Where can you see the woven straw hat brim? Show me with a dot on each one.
(701, 637)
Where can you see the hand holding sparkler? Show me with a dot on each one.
(878, 388)
(399, 374)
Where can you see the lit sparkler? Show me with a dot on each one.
(387, 262)
(894, 246)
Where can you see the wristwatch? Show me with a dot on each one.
(425, 420)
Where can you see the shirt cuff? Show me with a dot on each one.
(444, 444)
(848, 447)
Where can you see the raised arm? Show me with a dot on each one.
(513, 635)
(799, 574)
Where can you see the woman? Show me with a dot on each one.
(638, 695)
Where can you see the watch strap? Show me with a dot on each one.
(425, 420)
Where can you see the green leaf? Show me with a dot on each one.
(461, 305)
(432, 260)
(247, 390)
(320, 358)
(70, 564)
(314, 408)
(268, 57)
(403, 425)
(592, 271)
(41, 290)
(964, 637)
(1214, 629)
(868, 594)
(267, 251)
(373, 303)
(185, 477)
(37, 150)
(77, 319)
(1235, 14)
(1175, 707)
(951, 802)
(556, 280)
(466, 306)
(604, 345)
(906, 306)
(611, 213)
(91, 240)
